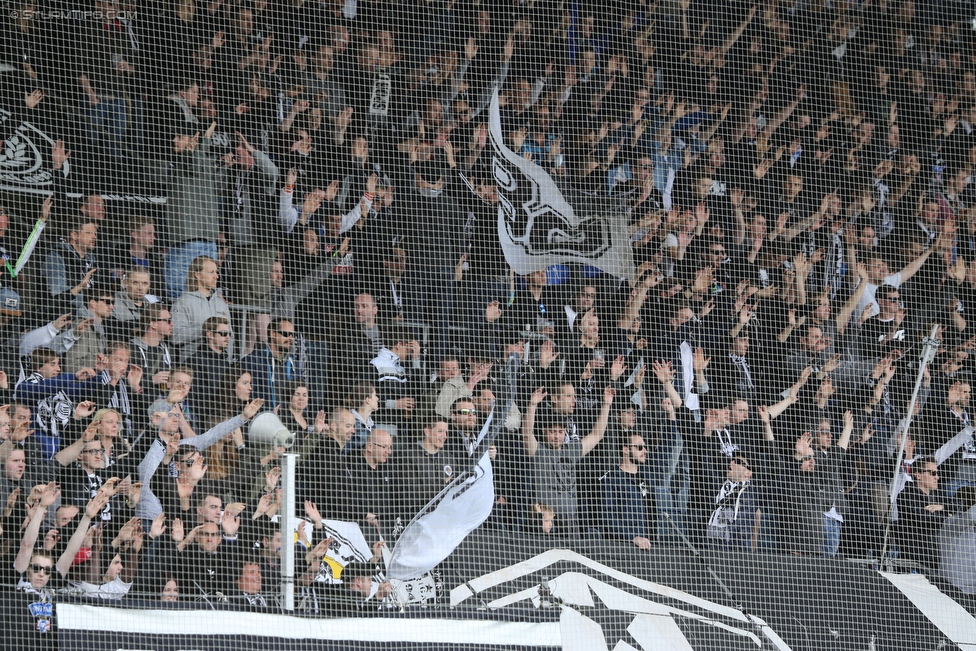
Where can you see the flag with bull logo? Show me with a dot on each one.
(537, 225)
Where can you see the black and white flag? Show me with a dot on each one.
(538, 227)
(462, 506)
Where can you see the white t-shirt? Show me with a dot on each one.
(868, 298)
(115, 589)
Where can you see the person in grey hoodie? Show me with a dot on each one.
(199, 303)
(192, 213)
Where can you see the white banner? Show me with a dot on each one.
(458, 509)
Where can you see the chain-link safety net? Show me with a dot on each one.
(487, 324)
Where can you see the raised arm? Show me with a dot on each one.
(70, 453)
(528, 437)
(94, 507)
(845, 436)
(739, 31)
(665, 375)
(776, 410)
(593, 439)
(48, 497)
(633, 307)
(912, 267)
(785, 113)
(845, 313)
(220, 430)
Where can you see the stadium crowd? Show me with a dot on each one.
(796, 180)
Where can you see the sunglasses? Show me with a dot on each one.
(107, 301)
(222, 333)
(638, 447)
(42, 569)
(465, 412)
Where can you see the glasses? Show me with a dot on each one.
(97, 451)
(466, 412)
(164, 320)
(934, 473)
(381, 447)
(638, 447)
(742, 462)
(222, 333)
(107, 301)
(287, 334)
(42, 569)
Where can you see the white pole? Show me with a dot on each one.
(288, 532)
(929, 348)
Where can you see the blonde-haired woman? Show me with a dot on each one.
(106, 426)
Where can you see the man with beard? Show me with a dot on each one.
(149, 350)
(629, 512)
(275, 363)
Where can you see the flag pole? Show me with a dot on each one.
(287, 532)
(930, 346)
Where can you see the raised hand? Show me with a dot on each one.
(59, 155)
(85, 409)
(699, 361)
(158, 527)
(252, 409)
(617, 368)
(662, 371)
(50, 494)
(95, 506)
(804, 445)
(763, 412)
(538, 396)
(547, 354)
(312, 512)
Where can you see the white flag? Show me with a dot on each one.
(460, 508)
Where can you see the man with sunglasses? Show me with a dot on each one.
(275, 363)
(883, 332)
(29, 610)
(629, 511)
(211, 360)
(920, 515)
(90, 332)
(149, 350)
